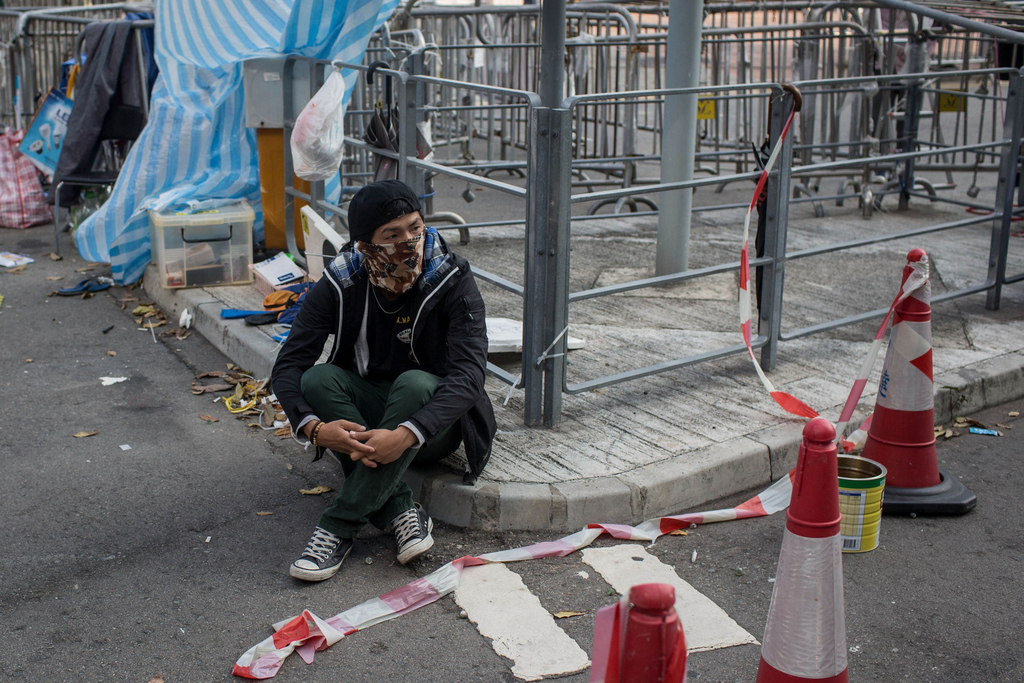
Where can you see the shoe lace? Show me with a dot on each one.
(407, 526)
(322, 544)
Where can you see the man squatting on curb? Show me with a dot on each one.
(404, 381)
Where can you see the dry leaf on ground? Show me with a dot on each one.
(212, 373)
(210, 388)
(28, 360)
(111, 353)
(156, 679)
(567, 614)
(208, 418)
(144, 309)
(963, 421)
(54, 278)
(81, 435)
(315, 491)
(264, 514)
(17, 270)
(54, 256)
(1002, 426)
(1013, 413)
(151, 323)
(678, 532)
(85, 270)
(283, 432)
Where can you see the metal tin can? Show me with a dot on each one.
(861, 487)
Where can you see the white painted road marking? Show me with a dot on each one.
(504, 610)
(705, 624)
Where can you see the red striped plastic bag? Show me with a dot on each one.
(22, 201)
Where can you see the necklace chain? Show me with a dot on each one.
(381, 306)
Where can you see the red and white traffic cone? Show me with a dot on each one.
(640, 639)
(902, 436)
(805, 636)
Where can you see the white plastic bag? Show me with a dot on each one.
(318, 135)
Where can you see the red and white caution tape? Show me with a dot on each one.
(791, 404)
(788, 402)
(858, 438)
(307, 633)
(918, 278)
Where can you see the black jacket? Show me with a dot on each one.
(109, 101)
(449, 339)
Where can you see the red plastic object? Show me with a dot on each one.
(805, 636)
(814, 507)
(904, 440)
(655, 648)
(640, 641)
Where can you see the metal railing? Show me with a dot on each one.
(34, 43)
(845, 105)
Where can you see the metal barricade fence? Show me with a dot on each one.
(34, 43)
(553, 156)
(622, 48)
(407, 90)
(778, 42)
(499, 46)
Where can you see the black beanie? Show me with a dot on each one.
(378, 203)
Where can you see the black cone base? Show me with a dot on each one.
(950, 497)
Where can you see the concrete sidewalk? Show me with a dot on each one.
(673, 441)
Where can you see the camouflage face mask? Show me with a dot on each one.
(394, 267)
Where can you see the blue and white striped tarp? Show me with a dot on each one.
(196, 151)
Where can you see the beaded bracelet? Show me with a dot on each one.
(316, 431)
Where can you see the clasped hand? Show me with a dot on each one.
(371, 447)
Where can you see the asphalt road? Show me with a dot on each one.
(122, 565)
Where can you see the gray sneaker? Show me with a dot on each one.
(412, 533)
(322, 557)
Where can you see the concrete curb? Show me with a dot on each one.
(663, 488)
(244, 345)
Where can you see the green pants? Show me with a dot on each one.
(373, 494)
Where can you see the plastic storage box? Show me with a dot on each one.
(205, 248)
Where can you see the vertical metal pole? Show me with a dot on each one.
(679, 134)
(808, 52)
(545, 252)
(410, 116)
(535, 325)
(916, 53)
(1008, 167)
(552, 53)
(405, 126)
(776, 226)
(558, 218)
(288, 124)
(288, 84)
(318, 74)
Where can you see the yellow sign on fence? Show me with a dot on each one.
(951, 102)
(705, 110)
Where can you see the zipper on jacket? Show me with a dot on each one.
(412, 336)
(341, 315)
